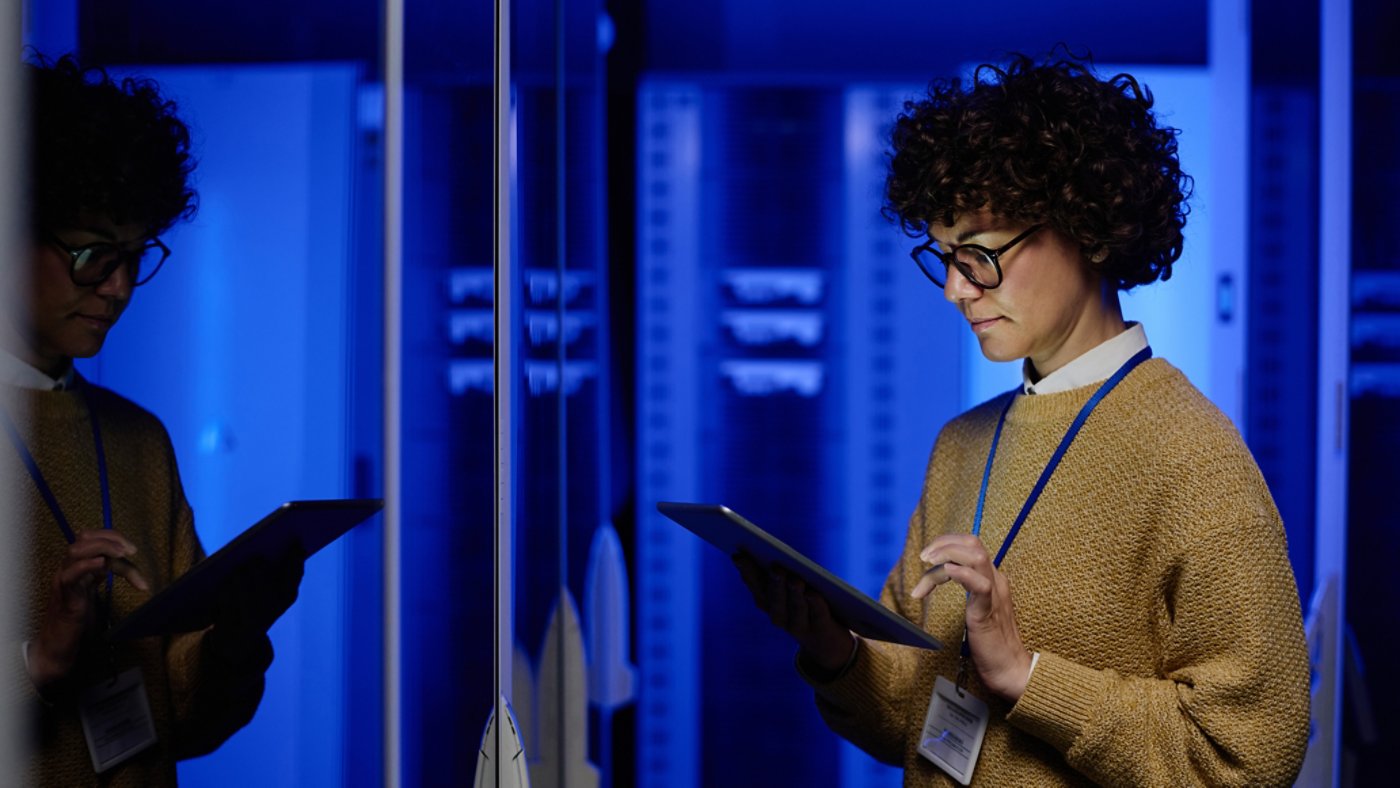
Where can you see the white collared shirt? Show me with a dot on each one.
(1094, 366)
(18, 373)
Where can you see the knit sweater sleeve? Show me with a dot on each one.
(877, 702)
(868, 704)
(1229, 703)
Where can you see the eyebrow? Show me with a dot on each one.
(962, 237)
(97, 231)
(979, 229)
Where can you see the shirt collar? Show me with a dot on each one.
(16, 372)
(1094, 366)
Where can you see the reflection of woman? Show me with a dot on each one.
(97, 514)
(1143, 627)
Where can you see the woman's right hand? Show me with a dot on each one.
(800, 611)
(72, 601)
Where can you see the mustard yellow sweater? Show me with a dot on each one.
(1152, 577)
(196, 701)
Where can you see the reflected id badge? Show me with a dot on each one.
(116, 719)
(953, 730)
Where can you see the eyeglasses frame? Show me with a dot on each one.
(949, 258)
(75, 254)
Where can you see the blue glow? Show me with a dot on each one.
(755, 286)
(240, 346)
(758, 327)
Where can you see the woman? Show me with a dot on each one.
(1117, 573)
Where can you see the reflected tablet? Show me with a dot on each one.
(725, 529)
(188, 603)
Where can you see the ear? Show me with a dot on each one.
(1099, 256)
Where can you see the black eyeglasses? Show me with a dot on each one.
(93, 263)
(978, 264)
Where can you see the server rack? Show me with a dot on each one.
(792, 364)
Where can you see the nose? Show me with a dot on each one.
(118, 284)
(960, 288)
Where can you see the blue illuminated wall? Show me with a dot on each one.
(244, 347)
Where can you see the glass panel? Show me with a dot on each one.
(12, 151)
(570, 589)
(446, 432)
(1373, 738)
(257, 345)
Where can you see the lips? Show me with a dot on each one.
(96, 321)
(983, 323)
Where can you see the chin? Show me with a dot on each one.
(992, 352)
(86, 349)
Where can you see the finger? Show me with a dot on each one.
(84, 571)
(748, 571)
(947, 540)
(126, 570)
(819, 612)
(797, 607)
(976, 583)
(973, 556)
(105, 536)
(775, 596)
(101, 546)
(931, 579)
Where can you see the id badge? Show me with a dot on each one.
(953, 730)
(116, 719)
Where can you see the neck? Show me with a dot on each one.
(1102, 321)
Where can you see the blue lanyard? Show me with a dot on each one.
(43, 485)
(1074, 427)
(1104, 388)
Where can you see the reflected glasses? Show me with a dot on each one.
(978, 264)
(93, 263)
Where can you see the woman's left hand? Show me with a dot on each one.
(998, 655)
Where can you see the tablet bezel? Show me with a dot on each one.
(732, 533)
(187, 604)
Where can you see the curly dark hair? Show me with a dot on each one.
(104, 147)
(1046, 142)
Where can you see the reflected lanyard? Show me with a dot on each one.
(1074, 427)
(13, 430)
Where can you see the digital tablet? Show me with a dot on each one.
(188, 603)
(725, 529)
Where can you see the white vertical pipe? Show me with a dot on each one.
(393, 377)
(13, 139)
(504, 379)
(1229, 212)
(1333, 340)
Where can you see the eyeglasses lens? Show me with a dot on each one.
(933, 266)
(976, 265)
(95, 263)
